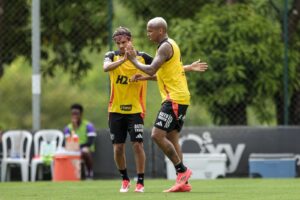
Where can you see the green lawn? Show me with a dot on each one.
(248, 189)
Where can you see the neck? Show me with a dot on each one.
(77, 124)
(165, 37)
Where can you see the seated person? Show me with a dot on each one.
(86, 133)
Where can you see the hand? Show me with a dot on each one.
(125, 57)
(85, 150)
(136, 78)
(199, 66)
(130, 52)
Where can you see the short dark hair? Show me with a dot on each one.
(122, 31)
(77, 106)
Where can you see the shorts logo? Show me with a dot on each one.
(168, 122)
(139, 136)
(166, 118)
(112, 136)
(139, 128)
(181, 117)
(126, 107)
(159, 123)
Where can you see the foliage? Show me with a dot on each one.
(14, 31)
(67, 29)
(243, 52)
(148, 8)
(58, 94)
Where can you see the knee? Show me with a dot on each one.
(85, 150)
(85, 154)
(155, 136)
(118, 149)
(138, 146)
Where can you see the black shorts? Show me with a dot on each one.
(171, 116)
(121, 124)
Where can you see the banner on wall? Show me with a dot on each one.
(239, 142)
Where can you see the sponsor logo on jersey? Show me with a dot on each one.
(126, 107)
(122, 79)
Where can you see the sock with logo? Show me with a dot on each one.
(180, 168)
(124, 174)
(140, 179)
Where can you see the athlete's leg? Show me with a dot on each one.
(135, 129)
(120, 160)
(119, 156)
(165, 134)
(160, 138)
(139, 156)
(173, 137)
(118, 133)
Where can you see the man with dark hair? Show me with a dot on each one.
(127, 105)
(86, 132)
(172, 83)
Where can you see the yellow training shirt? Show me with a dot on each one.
(171, 78)
(127, 97)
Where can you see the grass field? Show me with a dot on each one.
(240, 189)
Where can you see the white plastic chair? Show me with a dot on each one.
(46, 142)
(18, 153)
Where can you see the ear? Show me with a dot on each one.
(160, 30)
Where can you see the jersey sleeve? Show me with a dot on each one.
(109, 56)
(91, 131)
(67, 131)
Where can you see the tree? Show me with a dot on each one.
(244, 56)
(69, 29)
(168, 9)
(14, 32)
(171, 9)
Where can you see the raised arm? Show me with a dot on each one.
(140, 77)
(109, 64)
(197, 66)
(163, 54)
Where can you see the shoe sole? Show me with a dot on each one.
(124, 191)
